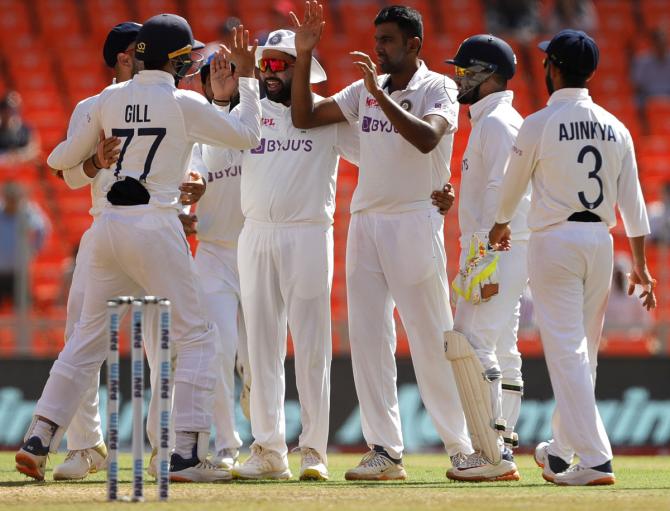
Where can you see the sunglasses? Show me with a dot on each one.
(274, 65)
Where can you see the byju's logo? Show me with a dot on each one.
(369, 125)
(275, 146)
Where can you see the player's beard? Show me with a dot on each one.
(470, 97)
(283, 95)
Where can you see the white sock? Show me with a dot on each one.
(185, 440)
(44, 431)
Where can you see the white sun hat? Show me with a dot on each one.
(284, 41)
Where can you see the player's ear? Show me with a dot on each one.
(414, 43)
(124, 59)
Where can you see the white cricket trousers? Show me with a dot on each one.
(220, 280)
(138, 247)
(492, 326)
(85, 429)
(398, 259)
(570, 270)
(286, 275)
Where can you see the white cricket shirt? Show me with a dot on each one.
(219, 212)
(394, 175)
(578, 157)
(75, 177)
(290, 176)
(495, 124)
(158, 125)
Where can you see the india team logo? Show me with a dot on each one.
(275, 39)
(406, 104)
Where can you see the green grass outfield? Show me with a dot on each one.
(643, 483)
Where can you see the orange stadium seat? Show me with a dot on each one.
(658, 114)
(15, 20)
(205, 18)
(655, 13)
(102, 15)
(148, 8)
(57, 18)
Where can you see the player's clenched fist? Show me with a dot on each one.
(308, 32)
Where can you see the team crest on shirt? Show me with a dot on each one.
(406, 104)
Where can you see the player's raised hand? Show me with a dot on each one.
(107, 152)
(444, 198)
(308, 32)
(641, 276)
(500, 237)
(223, 78)
(369, 69)
(243, 56)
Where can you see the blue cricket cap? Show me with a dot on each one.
(572, 50)
(118, 40)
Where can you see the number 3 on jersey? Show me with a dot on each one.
(592, 175)
(128, 134)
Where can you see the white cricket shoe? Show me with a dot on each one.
(31, 458)
(227, 459)
(313, 466)
(542, 460)
(81, 462)
(263, 464)
(476, 468)
(375, 466)
(193, 470)
(578, 475)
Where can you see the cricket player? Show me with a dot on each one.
(581, 163)
(220, 220)
(86, 449)
(484, 64)
(138, 239)
(395, 249)
(285, 258)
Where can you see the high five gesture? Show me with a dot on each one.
(308, 33)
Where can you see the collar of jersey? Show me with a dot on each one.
(414, 83)
(154, 76)
(569, 94)
(485, 105)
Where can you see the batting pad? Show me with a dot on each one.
(474, 390)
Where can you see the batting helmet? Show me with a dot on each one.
(488, 51)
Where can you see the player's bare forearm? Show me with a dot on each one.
(422, 134)
(302, 104)
(637, 249)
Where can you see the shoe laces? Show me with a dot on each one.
(374, 459)
(207, 465)
(310, 456)
(575, 468)
(257, 458)
(458, 459)
(476, 459)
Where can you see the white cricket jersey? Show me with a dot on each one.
(495, 124)
(219, 212)
(394, 175)
(158, 125)
(578, 157)
(75, 177)
(290, 176)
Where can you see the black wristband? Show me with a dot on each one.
(221, 102)
(93, 162)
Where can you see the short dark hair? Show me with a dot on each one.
(573, 80)
(408, 19)
(150, 65)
